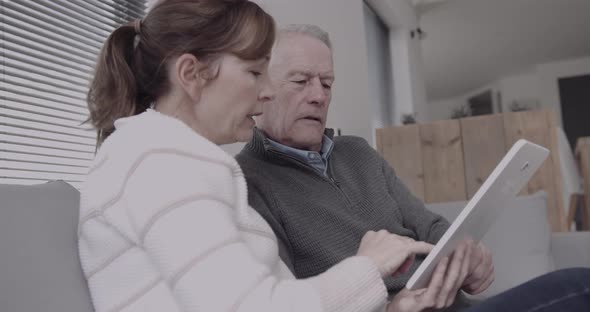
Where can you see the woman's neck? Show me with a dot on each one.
(182, 110)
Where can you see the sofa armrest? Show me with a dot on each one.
(571, 249)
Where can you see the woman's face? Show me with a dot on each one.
(229, 101)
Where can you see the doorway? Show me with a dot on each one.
(575, 107)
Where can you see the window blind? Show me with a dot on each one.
(48, 50)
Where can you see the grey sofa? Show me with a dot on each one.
(39, 266)
(40, 270)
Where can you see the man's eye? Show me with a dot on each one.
(327, 86)
(301, 82)
(255, 73)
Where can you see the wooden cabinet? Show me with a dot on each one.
(449, 160)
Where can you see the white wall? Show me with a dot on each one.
(536, 86)
(420, 103)
(442, 109)
(409, 91)
(540, 84)
(379, 70)
(522, 88)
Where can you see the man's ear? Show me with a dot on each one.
(187, 70)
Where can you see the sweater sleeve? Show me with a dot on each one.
(428, 226)
(184, 211)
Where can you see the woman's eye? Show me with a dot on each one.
(255, 73)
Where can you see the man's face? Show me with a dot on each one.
(301, 71)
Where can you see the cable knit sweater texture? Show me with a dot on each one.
(165, 226)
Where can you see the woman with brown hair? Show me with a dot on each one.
(164, 219)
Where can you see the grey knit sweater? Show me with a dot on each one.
(321, 220)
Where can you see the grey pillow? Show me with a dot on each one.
(39, 264)
(520, 241)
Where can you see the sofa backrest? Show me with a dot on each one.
(39, 264)
(520, 240)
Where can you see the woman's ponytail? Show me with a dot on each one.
(113, 91)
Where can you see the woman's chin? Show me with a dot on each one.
(245, 135)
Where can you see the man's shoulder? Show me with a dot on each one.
(350, 140)
(247, 158)
(352, 144)
(255, 166)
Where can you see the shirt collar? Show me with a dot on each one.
(260, 145)
(304, 155)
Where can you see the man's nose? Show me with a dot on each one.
(317, 93)
(267, 92)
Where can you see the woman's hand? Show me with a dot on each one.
(393, 254)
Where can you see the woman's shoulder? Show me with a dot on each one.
(156, 151)
(154, 133)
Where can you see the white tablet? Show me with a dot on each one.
(503, 184)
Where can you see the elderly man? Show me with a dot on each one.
(321, 193)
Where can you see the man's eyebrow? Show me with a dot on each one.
(309, 74)
(299, 72)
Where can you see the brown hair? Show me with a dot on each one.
(130, 71)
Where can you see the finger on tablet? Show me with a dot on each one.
(452, 275)
(435, 285)
(419, 248)
(463, 272)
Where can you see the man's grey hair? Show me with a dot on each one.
(307, 29)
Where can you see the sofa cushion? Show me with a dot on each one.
(520, 240)
(39, 264)
(571, 249)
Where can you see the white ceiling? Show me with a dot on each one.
(470, 43)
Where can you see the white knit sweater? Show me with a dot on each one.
(165, 226)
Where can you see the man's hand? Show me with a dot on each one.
(421, 299)
(481, 271)
(443, 287)
(456, 273)
(470, 268)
